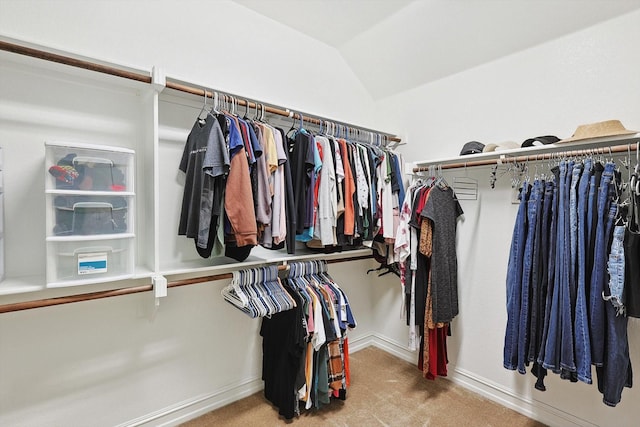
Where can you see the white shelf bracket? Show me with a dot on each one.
(158, 79)
(159, 287)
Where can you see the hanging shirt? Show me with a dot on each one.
(327, 203)
(278, 219)
(386, 197)
(349, 190)
(205, 162)
(302, 163)
(443, 209)
(238, 194)
(362, 184)
(264, 193)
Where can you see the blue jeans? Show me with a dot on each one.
(567, 294)
(554, 346)
(573, 230)
(551, 267)
(581, 324)
(615, 266)
(592, 218)
(539, 270)
(606, 215)
(529, 265)
(514, 282)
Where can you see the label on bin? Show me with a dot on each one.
(92, 263)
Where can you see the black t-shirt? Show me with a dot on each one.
(282, 346)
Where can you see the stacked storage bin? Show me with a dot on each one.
(90, 213)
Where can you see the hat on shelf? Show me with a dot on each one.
(599, 129)
(506, 145)
(540, 140)
(472, 147)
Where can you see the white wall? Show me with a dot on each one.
(218, 43)
(550, 89)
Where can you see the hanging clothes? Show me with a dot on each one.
(329, 192)
(205, 161)
(425, 247)
(565, 279)
(305, 350)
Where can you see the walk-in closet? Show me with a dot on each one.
(319, 212)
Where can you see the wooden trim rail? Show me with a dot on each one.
(49, 302)
(146, 78)
(78, 63)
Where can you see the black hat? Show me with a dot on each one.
(540, 140)
(472, 147)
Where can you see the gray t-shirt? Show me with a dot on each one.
(443, 209)
(205, 161)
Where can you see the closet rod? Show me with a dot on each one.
(48, 302)
(622, 148)
(146, 78)
(78, 63)
(273, 110)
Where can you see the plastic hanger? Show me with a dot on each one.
(204, 110)
(246, 109)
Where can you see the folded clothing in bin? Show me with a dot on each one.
(87, 173)
(90, 215)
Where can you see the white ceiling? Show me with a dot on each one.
(396, 45)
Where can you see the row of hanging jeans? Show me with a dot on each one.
(560, 312)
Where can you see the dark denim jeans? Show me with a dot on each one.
(551, 268)
(514, 282)
(576, 172)
(529, 264)
(592, 218)
(554, 346)
(539, 269)
(606, 215)
(582, 342)
(616, 373)
(567, 295)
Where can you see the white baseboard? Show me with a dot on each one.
(537, 410)
(192, 408)
(199, 405)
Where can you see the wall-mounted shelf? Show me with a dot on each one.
(604, 145)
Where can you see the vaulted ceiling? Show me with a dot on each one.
(396, 45)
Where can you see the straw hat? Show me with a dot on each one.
(599, 129)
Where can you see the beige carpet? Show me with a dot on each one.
(385, 391)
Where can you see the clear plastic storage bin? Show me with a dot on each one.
(72, 263)
(80, 215)
(89, 168)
